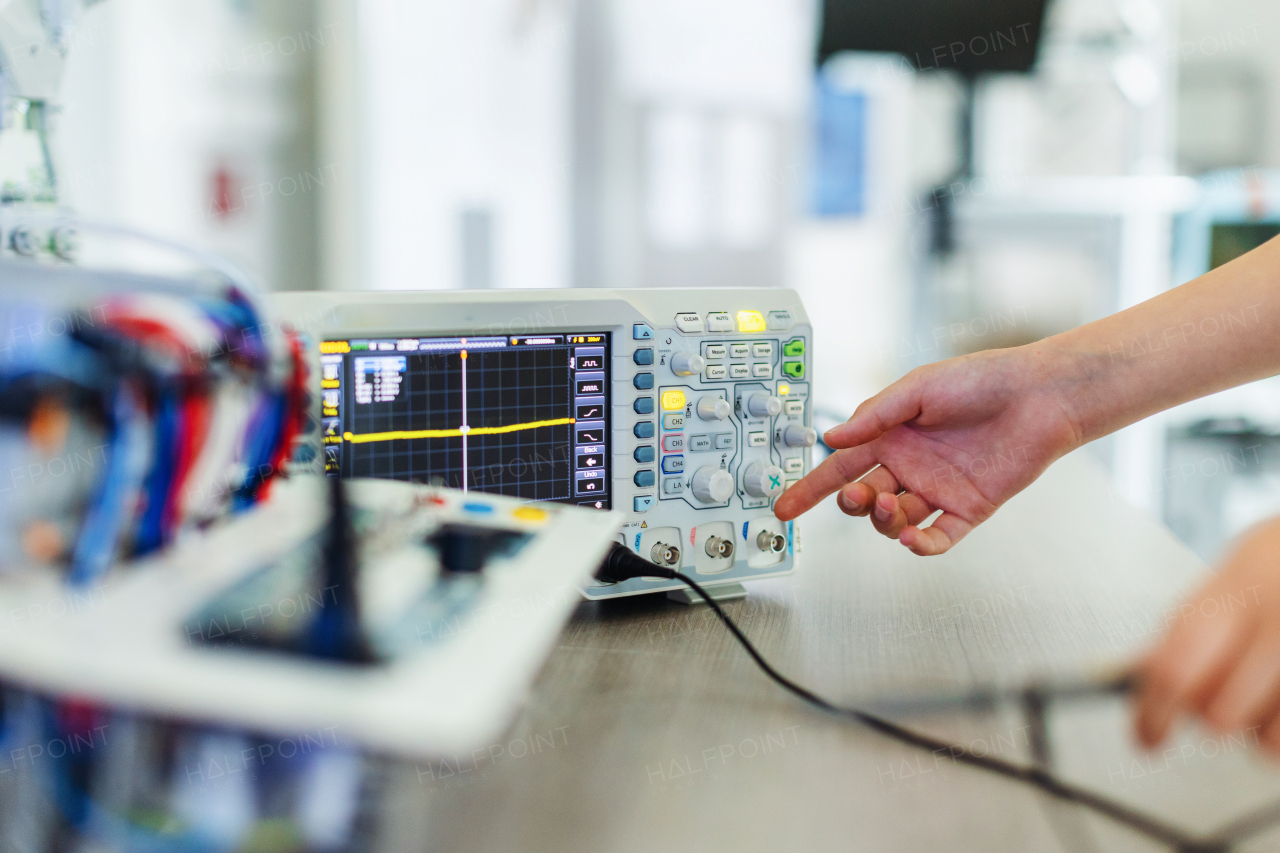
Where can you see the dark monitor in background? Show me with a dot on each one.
(968, 36)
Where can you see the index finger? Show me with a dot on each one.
(843, 466)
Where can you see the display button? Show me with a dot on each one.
(590, 461)
(793, 407)
(641, 332)
(739, 371)
(672, 443)
(644, 429)
(793, 466)
(644, 479)
(589, 409)
(750, 321)
(780, 321)
(689, 323)
(672, 485)
(762, 371)
(672, 464)
(757, 439)
(672, 400)
(719, 321)
(715, 371)
(699, 442)
(793, 349)
(794, 369)
(739, 350)
(715, 351)
(643, 381)
(642, 503)
(724, 441)
(764, 350)
(642, 405)
(644, 355)
(673, 421)
(644, 453)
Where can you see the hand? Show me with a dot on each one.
(962, 436)
(1221, 658)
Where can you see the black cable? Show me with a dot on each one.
(622, 564)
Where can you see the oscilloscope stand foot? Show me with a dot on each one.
(722, 592)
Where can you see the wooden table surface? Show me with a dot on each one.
(651, 730)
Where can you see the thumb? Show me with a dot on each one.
(897, 404)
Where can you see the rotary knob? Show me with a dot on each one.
(800, 436)
(763, 405)
(714, 408)
(713, 485)
(763, 480)
(687, 364)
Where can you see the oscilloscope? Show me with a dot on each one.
(687, 411)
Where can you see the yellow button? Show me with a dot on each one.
(784, 390)
(529, 513)
(750, 321)
(673, 399)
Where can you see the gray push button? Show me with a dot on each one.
(699, 442)
(672, 464)
(724, 441)
(672, 486)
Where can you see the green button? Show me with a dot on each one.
(794, 369)
(793, 348)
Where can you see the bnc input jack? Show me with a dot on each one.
(664, 554)
(774, 543)
(717, 547)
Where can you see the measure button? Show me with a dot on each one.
(757, 439)
(672, 464)
(673, 443)
(642, 503)
(715, 351)
(673, 420)
(699, 442)
(641, 332)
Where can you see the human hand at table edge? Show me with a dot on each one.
(961, 436)
(1220, 660)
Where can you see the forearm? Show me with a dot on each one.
(1216, 332)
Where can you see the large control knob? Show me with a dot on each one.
(687, 364)
(713, 485)
(763, 480)
(714, 408)
(800, 436)
(762, 404)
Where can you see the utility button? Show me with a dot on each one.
(715, 351)
(762, 371)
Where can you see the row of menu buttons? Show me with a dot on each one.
(691, 323)
(715, 372)
(759, 350)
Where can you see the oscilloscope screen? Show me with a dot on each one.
(525, 416)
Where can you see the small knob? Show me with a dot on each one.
(800, 436)
(763, 480)
(23, 242)
(712, 485)
(687, 364)
(714, 408)
(763, 405)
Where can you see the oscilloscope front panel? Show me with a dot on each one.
(688, 411)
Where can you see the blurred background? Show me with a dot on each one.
(930, 186)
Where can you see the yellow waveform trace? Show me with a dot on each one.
(365, 438)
